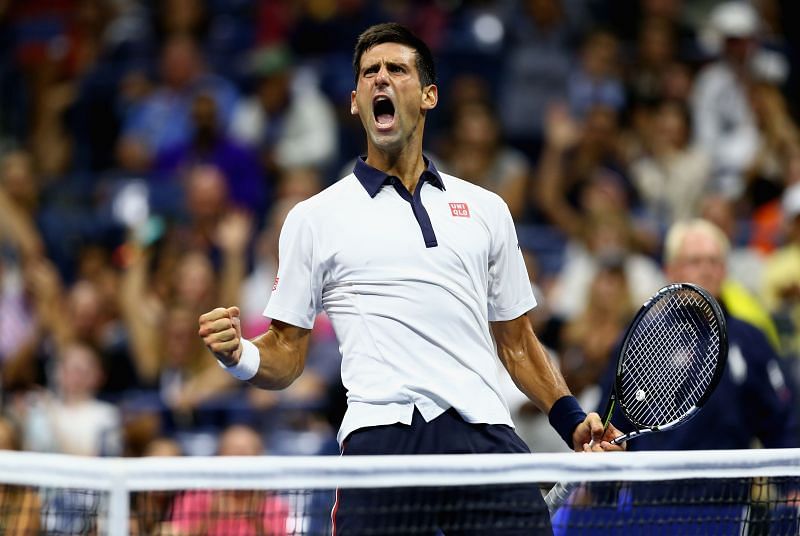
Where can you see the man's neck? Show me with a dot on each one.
(407, 165)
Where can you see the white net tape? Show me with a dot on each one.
(120, 477)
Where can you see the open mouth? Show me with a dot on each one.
(383, 110)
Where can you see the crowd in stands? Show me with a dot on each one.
(150, 150)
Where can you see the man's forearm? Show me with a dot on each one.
(528, 364)
(282, 357)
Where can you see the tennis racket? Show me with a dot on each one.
(671, 360)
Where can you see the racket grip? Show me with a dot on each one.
(558, 495)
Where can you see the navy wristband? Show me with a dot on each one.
(564, 416)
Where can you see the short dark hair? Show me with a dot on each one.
(392, 32)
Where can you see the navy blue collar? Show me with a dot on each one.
(373, 179)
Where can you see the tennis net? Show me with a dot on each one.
(701, 492)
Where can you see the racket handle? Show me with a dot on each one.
(558, 495)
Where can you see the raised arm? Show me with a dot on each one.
(142, 319)
(562, 133)
(232, 237)
(272, 360)
(540, 380)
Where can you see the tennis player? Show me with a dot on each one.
(424, 282)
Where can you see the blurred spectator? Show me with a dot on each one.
(325, 30)
(745, 263)
(782, 273)
(110, 38)
(596, 81)
(19, 204)
(607, 238)
(672, 176)
(94, 322)
(779, 138)
(56, 317)
(767, 222)
(20, 506)
(150, 509)
(581, 170)
(163, 335)
(678, 82)
(274, 21)
(225, 30)
(210, 145)
(46, 217)
(70, 419)
(542, 37)
(162, 119)
(225, 512)
(741, 289)
(163, 446)
(206, 200)
(208, 221)
(190, 18)
(475, 151)
(288, 120)
(54, 44)
(44, 303)
(629, 18)
(299, 182)
(20, 243)
(588, 340)
(16, 316)
(655, 53)
(724, 123)
(9, 434)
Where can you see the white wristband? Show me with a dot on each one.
(248, 364)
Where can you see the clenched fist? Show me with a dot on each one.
(221, 331)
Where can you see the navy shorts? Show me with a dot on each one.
(502, 509)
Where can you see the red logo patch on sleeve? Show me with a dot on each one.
(459, 209)
(275, 284)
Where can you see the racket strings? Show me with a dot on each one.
(670, 359)
(669, 375)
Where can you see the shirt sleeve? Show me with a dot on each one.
(297, 291)
(509, 292)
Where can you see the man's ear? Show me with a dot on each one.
(353, 103)
(430, 96)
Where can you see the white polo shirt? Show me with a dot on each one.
(410, 284)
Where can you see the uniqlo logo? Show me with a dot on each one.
(275, 284)
(459, 209)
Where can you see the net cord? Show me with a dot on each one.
(328, 472)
